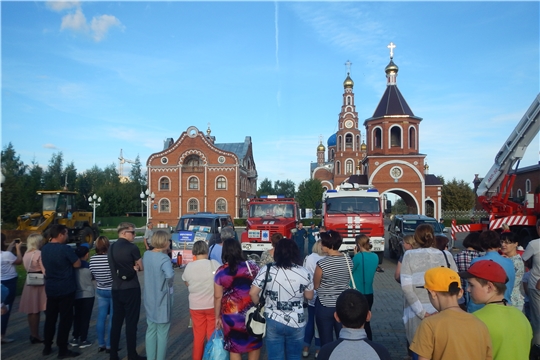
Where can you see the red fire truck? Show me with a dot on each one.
(355, 209)
(268, 215)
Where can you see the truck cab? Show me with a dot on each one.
(268, 215)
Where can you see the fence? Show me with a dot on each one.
(464, 214)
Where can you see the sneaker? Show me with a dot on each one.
(305, 353)
(84, 344)
(74, 342)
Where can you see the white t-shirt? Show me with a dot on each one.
(8, 270)
(310, 263)
(284, 294)
(199, 274)
(533, 250)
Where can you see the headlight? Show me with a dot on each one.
(247, 246)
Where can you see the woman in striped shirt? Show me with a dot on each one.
(330, 279)
(99, 267)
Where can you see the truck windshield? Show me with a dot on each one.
(274, 210)
(49, 202)
(195, 224)
(344, 205)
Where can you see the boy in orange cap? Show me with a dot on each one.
(508, 327)
(451, 333)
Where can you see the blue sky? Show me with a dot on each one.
(91, 78)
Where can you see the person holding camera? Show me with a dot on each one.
(8, 277)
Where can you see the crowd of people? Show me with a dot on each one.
(480, 303)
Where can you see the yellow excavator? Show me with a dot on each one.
(58, 208)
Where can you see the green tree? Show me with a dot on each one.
(70, 176)
(399, 207)
(54, 178)
(136, 173)
(32, 184)
(14, 171)
(457, 195)
(286, 188)
(309, 194)
(265, 188)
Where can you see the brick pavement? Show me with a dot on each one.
(386, 325)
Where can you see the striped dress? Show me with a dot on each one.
(99, 266)
(335, 278)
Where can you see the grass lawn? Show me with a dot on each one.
(22, 272)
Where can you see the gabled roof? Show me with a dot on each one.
(432, 180)
(240, 149)
(392, 103)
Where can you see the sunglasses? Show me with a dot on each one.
(130, 231)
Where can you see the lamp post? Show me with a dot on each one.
(94, 203)
(149, 198)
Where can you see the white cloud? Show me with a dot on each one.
(50, 146)
(101, 24)
(62, 5)
(75, 22)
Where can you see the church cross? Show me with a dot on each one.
(348, 65)
(391, 46)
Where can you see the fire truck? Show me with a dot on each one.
(268, 215)
(355, 209)
(494, 190)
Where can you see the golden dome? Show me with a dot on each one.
(391, 67)
(348, 83)
(321, 147)
(363, 147)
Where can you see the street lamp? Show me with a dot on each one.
(149, 198)
(94, 205)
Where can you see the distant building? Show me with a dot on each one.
(195, 174)
(388, 158)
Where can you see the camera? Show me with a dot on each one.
(17, 241)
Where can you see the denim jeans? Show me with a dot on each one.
(283, 342)
(103, 327)
(326, 323)
(310, 329)
(11, 285)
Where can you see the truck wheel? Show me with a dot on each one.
(86, 235)
(392, 252)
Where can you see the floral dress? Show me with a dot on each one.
(517, 298)
(234, 305)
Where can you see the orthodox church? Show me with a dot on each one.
(389, 158)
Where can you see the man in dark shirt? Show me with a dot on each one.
(59, 261)
(124, 261)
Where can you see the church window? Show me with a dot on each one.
(164, 183)
(527, 186)
(412, 138)
(348, 100)
(348, 141)
(340, 148)
(221, 183)
(193, 183)
(221, 205)
(338, 167)
(332, 153)
(395, 136)
(357, 145)
(377, 141)
(349, 166)
(193, 205)
(164, 205)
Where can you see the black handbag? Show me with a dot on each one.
(255, 320)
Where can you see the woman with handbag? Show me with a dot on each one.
(33, 298)
(364, 268)
(231, 301)
(199, 278)
(288, 283)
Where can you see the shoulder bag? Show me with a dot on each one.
(255, 321)
(34, 278)
(350, 272)
(446, 258)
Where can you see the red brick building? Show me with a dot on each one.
(389, 158)
(194, 174)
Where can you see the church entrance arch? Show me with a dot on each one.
(430, 208)
(410, 201)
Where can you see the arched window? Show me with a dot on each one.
(193, 205)
(221, 183)
(192, 163)
(412, 138)
(357, 145)
(348, 100)
(332, 153)
(164, 183)
(221, 205)
(349, 166)
(164, 205)
(193, 183)
(377, 138)
(395, 136)
(527, 186)
(348, 141)
(338, 167)
(519, 194)
(340, 148)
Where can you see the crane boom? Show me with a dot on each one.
(512, 150)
